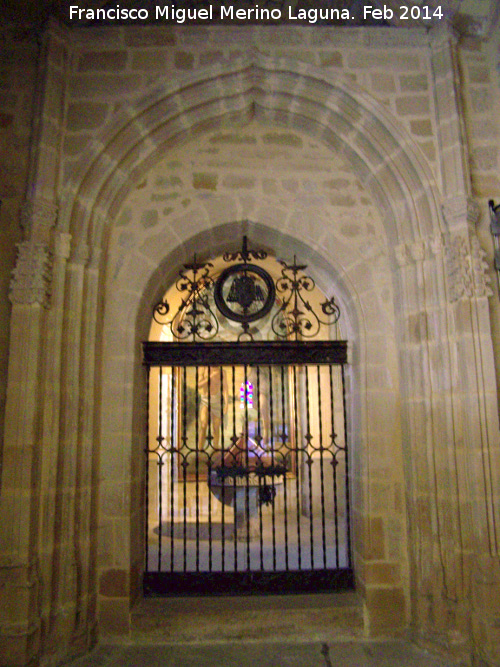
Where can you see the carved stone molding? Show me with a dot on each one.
(466, 268)
(418, 251)
(31, 277)
(95, 257)
(80, 254)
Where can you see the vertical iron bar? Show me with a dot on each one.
(321, 468)
(235, 440)
(209, 467)
(223, 480)
(247, 462)
(309, 466)
(184, 464)
(146, 499)
(160, 463)
(334, 468)
(261, 443)
(298, 472)
(285, 443)
(271, 428)
(172, 469)
(347, 500)
(197, 462)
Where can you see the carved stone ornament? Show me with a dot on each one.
(467, 269)
(31, 277)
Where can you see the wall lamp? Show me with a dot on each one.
(495, 232)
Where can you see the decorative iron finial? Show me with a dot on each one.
(244, 255)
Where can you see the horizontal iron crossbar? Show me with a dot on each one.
(248, 352)
(247, 583)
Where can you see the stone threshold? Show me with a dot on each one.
(314, 617)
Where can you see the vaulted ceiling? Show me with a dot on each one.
(472, 17)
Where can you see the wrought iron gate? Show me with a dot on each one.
(247, 474)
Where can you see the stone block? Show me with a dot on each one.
(428, 148)
(233, 138)
(239, 182)
(103, 61)
(148, 59)
(485, 186)
(113, 583)
(282, 139)
(150, 36)
(383, 83)
(203, 181)
(481, 99)
(184, 60)
(383, 60)
(331, 59)
(105, 85)
(382, 574)
(412, 105)
(210, 58)
(413, 82)
(421, 128)
(479, 74)
(485, 158)
(386, 609)
(114, 616)
(86, 116)
(374, 538)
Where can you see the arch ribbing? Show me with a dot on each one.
(277, 91)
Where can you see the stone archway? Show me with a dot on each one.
(66, 412)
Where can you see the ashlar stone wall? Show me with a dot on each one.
(347, 147)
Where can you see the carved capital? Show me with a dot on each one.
(62, 245)
(31, 277)
(402, 254)
(418, 251)
(437, 244)
(410, 253)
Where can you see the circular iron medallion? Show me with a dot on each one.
(244, 292)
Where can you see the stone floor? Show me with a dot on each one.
(262, 654)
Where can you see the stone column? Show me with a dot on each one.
(19, 501)
(477, 428)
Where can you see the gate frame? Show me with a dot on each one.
(247, 582)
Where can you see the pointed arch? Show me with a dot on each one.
(279, 91)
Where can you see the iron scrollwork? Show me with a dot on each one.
(245, 292)
(194, 318)
(296, 317)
